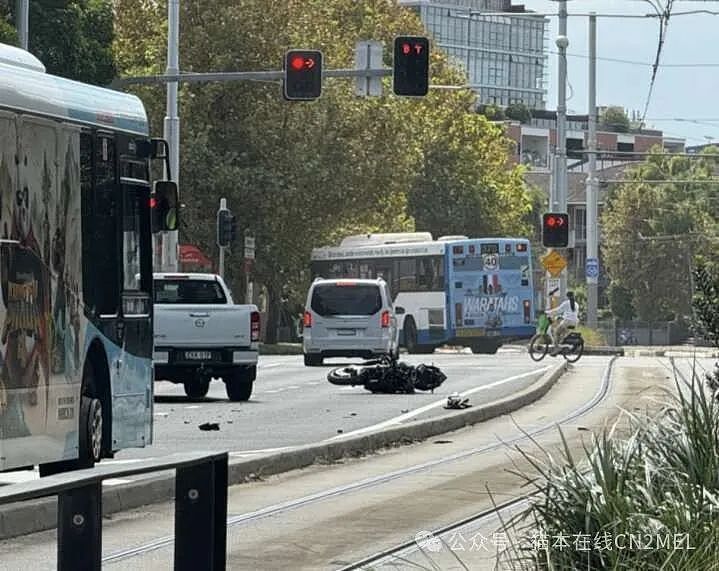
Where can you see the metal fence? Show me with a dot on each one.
(200, 510)
(621, 333)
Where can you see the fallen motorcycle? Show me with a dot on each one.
(388, 375)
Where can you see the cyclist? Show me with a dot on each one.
(569, 310)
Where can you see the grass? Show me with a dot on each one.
(592, 337)
(654, 485)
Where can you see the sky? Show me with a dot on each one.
(685, 100)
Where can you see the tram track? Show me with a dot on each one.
(371, 482)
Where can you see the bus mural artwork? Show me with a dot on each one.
(76, 381)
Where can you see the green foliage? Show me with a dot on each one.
(654, 230)
(492, 112)
(661, 479)
(614, 119)
(592, 337)
(302, 175)
(706, 302)
(8, 34)
(620, 302)
(73, 38)
(518, 112)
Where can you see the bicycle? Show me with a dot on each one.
(571, 348)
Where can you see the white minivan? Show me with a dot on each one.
(348, 318)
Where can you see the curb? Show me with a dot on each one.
(40, 515)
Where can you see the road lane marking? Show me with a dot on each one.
(406, 416)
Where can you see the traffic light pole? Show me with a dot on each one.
(592, 190)
(561, 163)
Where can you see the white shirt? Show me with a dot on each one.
(565, 308)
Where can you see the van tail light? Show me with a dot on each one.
(255, 326)
(526, 311)
(384, 320)
(458, 313)
(308, 319)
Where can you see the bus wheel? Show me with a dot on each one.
(91, 421)
(90, 431)
(410, 335)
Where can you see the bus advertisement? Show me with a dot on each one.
(456, 291)
(76, 380)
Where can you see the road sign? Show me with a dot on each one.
(592, 270)
(368, 55)
(551, 290)
(554, 263)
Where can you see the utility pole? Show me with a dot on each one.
(172, 123)
(592, 266)
(22, 17)
(560, 197)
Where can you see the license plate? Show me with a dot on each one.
(346, 332)
(198, 355)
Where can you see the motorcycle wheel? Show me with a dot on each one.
(344, 376)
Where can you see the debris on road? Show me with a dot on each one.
(209, 426)
(455, 401)
(387, 375)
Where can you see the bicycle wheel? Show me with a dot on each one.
(538, 347)
(573, 355)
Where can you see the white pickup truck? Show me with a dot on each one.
(201, 334)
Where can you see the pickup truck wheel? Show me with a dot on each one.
(197, 389)
(313, 360)
(239, 384)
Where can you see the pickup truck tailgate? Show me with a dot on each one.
(202, 326)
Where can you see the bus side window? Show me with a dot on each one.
(106, 214)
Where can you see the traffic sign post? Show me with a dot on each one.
(368, 55)
(249, 260)
(592, 270)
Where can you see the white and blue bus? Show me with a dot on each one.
(75, 269)
(455, 290)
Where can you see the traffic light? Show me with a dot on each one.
(226, 228)
(555, 230)
(164, 212)
(411, 66)
(303, 75)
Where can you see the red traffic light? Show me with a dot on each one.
(555, 232)
(303, 75)
(298, 63)
(411, 66)
(553, 221)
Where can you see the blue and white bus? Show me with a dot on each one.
(473, 292)
(76, 376)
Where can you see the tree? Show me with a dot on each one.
(653, 231)
(614, 119)
(519, 112)
(73, 38)
(303, 175)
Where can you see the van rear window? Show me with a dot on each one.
(345, 299)
(195, 292)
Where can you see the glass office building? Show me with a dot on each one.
(504, 55)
